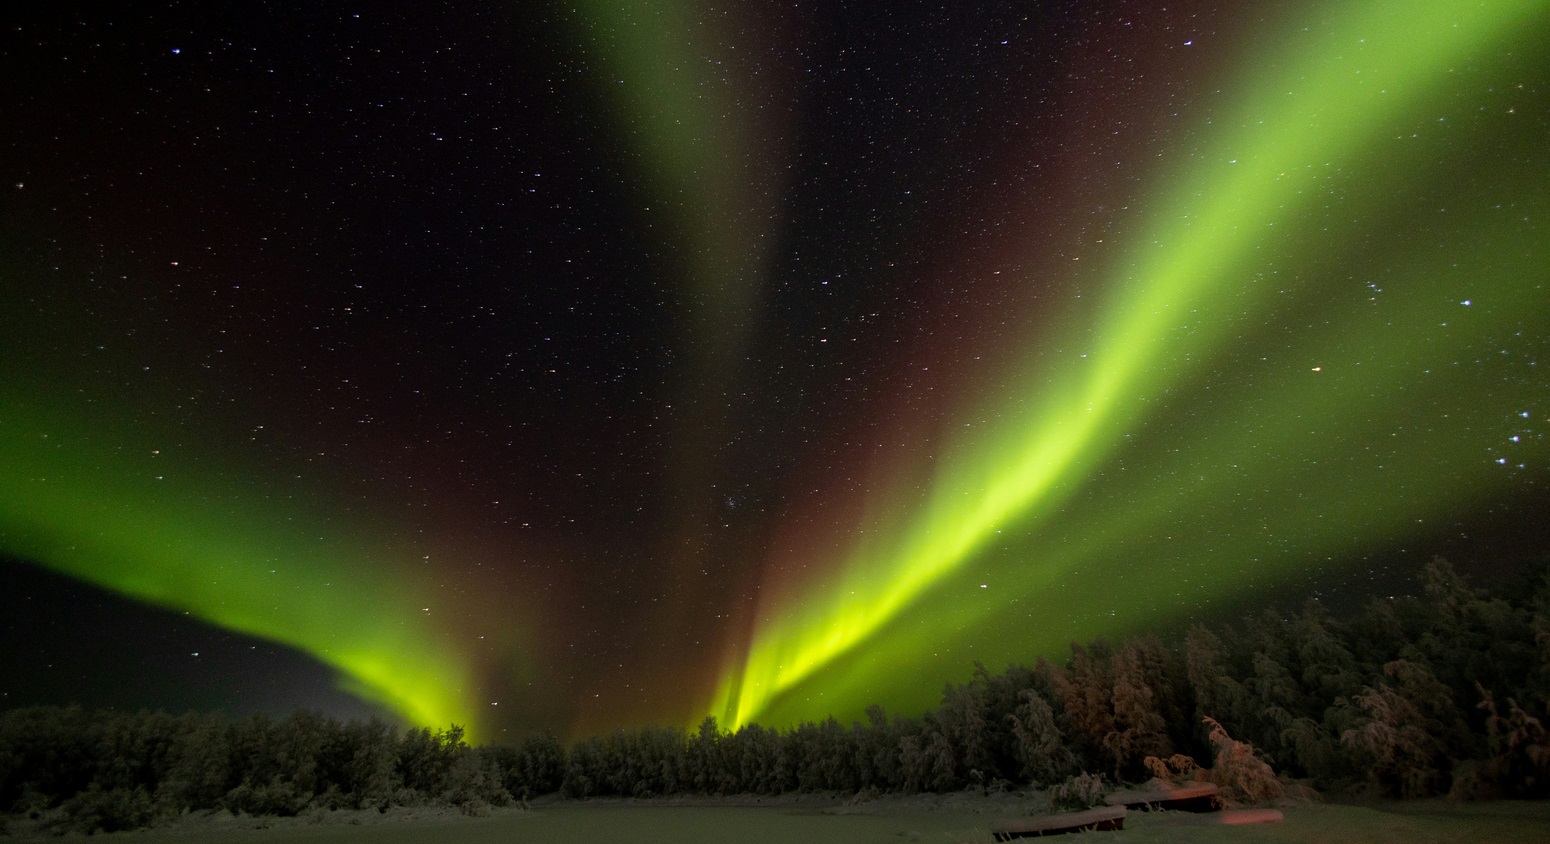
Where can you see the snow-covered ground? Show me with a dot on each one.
(940, 819)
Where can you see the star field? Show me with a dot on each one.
(607, 363)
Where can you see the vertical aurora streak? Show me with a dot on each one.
(698, 104)
(1188, 296)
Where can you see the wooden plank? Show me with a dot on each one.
(1195, 797)
(1101, 818)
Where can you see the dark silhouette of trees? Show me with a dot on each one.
(1444, 692)
(107, 771)
(1518, 764)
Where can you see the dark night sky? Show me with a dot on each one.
(565, 365)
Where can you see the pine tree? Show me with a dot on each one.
(1139, 729)
(1085, 690)
(1403, 728)
(1040, 747)
(1216, 691)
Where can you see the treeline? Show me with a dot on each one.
(86, 771)
(1444, 693)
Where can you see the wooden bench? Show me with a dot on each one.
(1101, 818)
(1194, 797)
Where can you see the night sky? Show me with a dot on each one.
(613, 362)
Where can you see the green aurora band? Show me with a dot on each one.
(1282, 373)
(698, 147)
(1279, 376)
(119, 512)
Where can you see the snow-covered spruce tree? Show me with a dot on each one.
(1404, 729)
(371, 770)
(1213, 680)
(536, 766)
(1327, 669)
(702, 758)
(1238, 771)
(582, 766)
(753, 753)
(880, 741)
(198, 765)
(1040, 747)
(1085, 688)
(927, 759)
(1518, 760)
(962, 721)
(1139, 727)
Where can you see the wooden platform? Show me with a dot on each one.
(1195, 797)
(1101, 818)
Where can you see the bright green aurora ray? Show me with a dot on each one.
(1298, 248)
(109, 509)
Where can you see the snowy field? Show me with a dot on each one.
(942, 819)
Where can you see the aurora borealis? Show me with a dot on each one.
(621, 363)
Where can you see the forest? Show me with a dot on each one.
(1441, 693)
